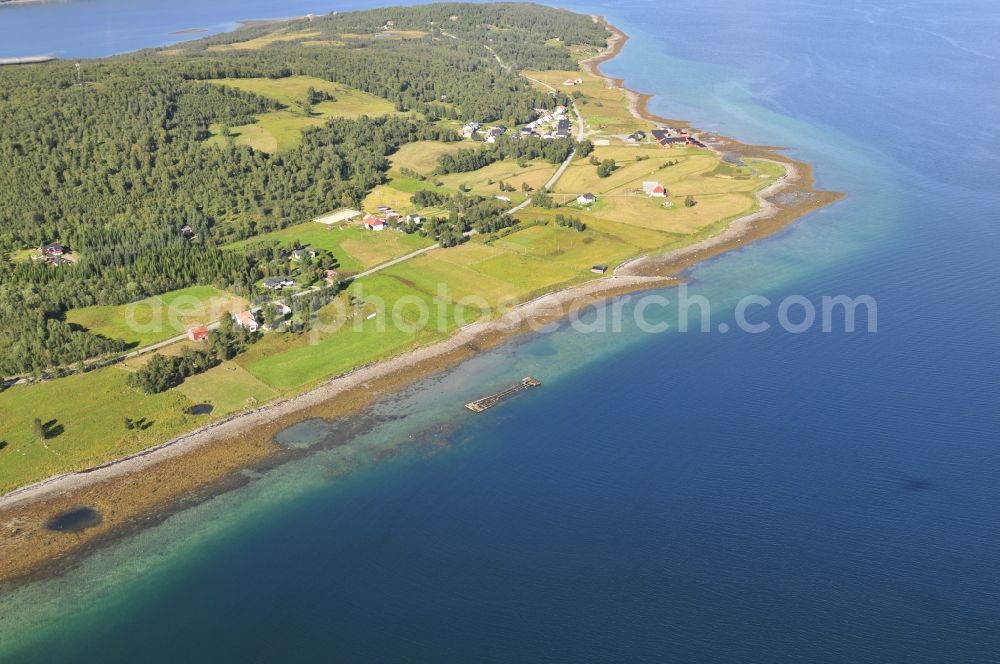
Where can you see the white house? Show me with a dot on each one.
(586, 199)
(247, 320)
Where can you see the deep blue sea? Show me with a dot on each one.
(719, 497)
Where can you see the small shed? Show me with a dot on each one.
(198, 333)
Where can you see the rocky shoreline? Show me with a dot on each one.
(141, 490)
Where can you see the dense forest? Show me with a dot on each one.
(526, 36)
(117, 167)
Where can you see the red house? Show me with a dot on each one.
(198, 333)
(374, 223)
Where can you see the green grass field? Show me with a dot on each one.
(89, 408)
(423, 156)
(227, 388)
(157, 318)
(266, 40)
(21, 255)
(281, 130)
(456, 285)
(719, 193)
(291, 92)
(273, 132)
(355, 248)
(536, 174)
(297, 361)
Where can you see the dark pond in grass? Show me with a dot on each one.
(201, 409)
(74, 520)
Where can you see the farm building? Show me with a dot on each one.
(374, 223)
(198, 333)
(338, 217)
(654, 189)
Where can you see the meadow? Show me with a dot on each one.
(227, 388)
(157, 318)
(355, 248)
(720, 191)
(281, 130)
(84, 415)
(295, 362)
(266, 40)
(458, 285)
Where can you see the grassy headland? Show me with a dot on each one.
(703, 194)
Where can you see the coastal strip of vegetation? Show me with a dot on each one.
(177, 187)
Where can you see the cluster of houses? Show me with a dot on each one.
(493, 133)
(389, 218)
(570, 82)
(490, 135)
(53, 254)
(549, 124)
(248, 320)
(469, 129)
(668, 137)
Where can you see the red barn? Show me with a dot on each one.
(198, 333)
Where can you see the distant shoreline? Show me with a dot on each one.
(140, 489)
(4, 3)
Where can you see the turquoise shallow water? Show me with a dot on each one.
(670, 497)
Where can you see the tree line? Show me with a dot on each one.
(554, 151)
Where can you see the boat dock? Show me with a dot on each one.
(479, 405)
